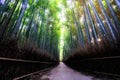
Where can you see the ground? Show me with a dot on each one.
(63, 72)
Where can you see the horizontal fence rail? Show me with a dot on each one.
(100, 58)
(30, 74)
(20, 60)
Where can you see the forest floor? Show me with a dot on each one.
(10, 69)
(63, 72)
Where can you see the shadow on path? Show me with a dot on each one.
(63, 72)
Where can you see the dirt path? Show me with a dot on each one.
(63, 72)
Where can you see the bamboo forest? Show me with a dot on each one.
(37, 35)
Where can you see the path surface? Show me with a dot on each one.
(63, 72)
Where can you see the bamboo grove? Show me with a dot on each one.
(59, 26)
(35, 21)
(91, 24)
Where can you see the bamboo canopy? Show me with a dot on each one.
(60, 26)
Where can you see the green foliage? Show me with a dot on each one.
(41, 22)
